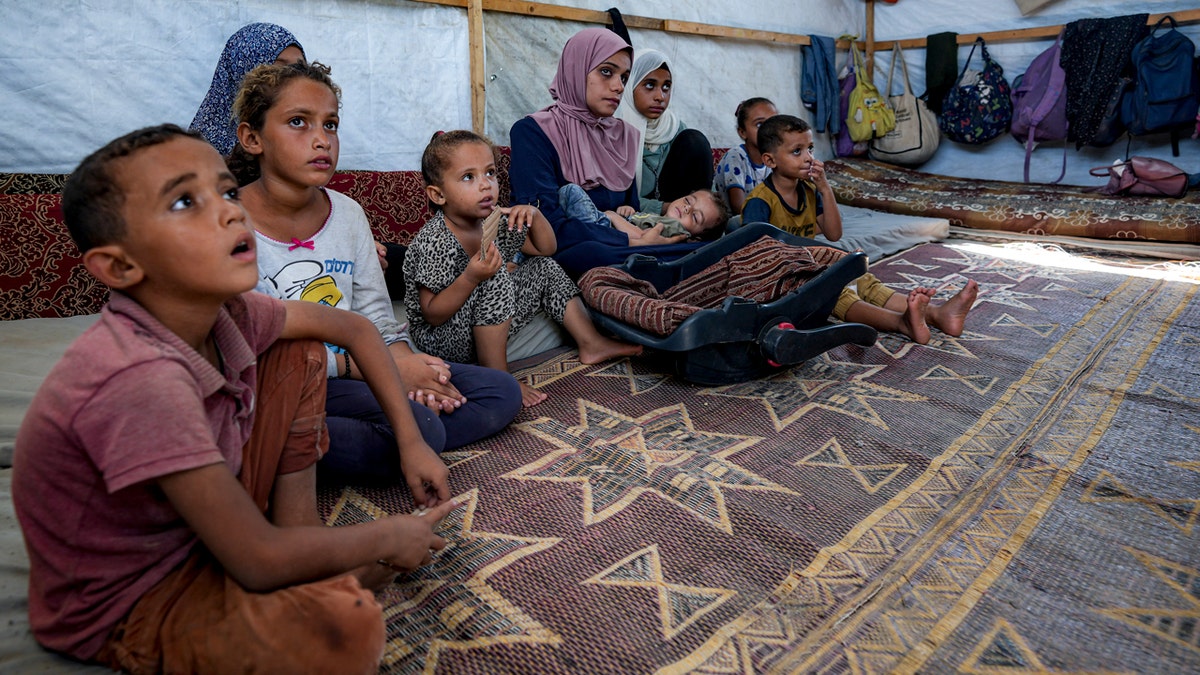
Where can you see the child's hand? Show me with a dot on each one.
(480, 270)
(520, 217)
(381, 253)
(816, 172)
(415, 538)
(428, 380)
(427, 475)
(655, 236)
(625, 210)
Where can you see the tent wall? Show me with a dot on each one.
(75, 74)
(1004, 157)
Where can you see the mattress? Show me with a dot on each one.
(1033, 209)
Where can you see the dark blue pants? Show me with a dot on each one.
(362, 446)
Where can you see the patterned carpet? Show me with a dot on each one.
(1021, 499)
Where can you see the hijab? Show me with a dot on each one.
(593, 151)
(654, 132)
(252, 45)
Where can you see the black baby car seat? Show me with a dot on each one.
(742, 339)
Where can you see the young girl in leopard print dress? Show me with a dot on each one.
(462, 305)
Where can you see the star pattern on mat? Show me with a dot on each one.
(823, 383)
(1182, 513)
(453, 458)
(1003, 294)
(1159, 389)
(449, 603)
(615, 459)
(871, 477)
(639, 382)
(897, 346)
(945, 285)
(924, 267)
(1014, 270)
(1003, 651)
(980, 384)
(554, 369)
(1175, 623)
(1007, 320)
(679, 605)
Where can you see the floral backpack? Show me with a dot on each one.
(978, 108)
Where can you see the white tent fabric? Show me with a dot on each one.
(76, 74)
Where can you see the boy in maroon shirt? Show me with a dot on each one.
(164, 475)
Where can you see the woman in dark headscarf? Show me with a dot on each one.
(578, 140)
(253, 45)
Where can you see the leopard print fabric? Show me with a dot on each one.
(435, 259)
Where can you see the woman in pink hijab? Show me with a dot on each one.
(578, 140)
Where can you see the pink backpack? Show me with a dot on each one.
(1039, 100)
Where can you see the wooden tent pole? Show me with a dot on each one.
(478, 84)
(870, 46)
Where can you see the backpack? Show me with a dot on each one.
(1165, 90)
(978, 107)
(869, 115)
(845, 146)
(1039, 100)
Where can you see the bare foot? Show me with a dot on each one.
(912, 322)
(951, 316)
(601, 349)
(530, 396)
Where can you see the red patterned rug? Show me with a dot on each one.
(1023, 498)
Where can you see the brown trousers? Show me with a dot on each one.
(198, 620)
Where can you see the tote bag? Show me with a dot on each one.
(978, 109)
(916, 136)
(869, 115)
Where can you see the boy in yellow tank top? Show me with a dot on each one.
(796, 197)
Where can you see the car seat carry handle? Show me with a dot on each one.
(789, 346)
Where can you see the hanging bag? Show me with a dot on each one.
(869, 115)
(1165, 89)
(916, 136)
(978, 108)
(846, 146)
(1143, 176)
(1039, 98)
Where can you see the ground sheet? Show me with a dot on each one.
(1023, 498)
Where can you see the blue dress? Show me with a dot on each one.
(536, 176)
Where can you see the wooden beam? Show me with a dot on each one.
(691, 28)
(1187, 16)
(478, 84)
(548, 11)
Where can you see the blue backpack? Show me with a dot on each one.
(1165, 92)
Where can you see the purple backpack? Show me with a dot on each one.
(845, 146)
(1039, 100)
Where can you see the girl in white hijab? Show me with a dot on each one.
(674, 161)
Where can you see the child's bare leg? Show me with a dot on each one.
(910, 322)
(491, 346)
(950, 317)
(593, 347)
